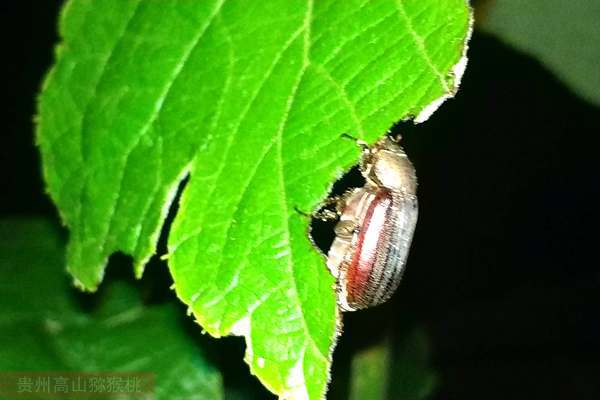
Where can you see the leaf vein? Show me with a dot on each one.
(420, 44)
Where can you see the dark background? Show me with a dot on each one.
(503, 273)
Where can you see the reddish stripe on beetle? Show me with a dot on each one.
(365, 255)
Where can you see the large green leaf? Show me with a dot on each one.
(250, 99)
(563, 35)
(42, 329)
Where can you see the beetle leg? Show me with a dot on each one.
(345, 229)
(326, 214)
(395, 137)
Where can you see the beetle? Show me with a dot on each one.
(375, 227)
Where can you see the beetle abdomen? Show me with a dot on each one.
(380, 249)
(402, 223)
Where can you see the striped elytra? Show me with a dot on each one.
(375, 229)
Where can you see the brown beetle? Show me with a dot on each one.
(375, 228)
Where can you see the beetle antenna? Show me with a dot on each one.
(304, 214)
(359, 142)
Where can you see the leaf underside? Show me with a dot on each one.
(249, 99)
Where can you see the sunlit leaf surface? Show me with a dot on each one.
(250, 100)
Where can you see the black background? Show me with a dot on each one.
(503, 273)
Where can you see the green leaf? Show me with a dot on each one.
(370, 373)
(141, 339)
(564, 35)
(42, 329)
(394, 369)
(250, 100)
(412, 376)
(33, 284)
